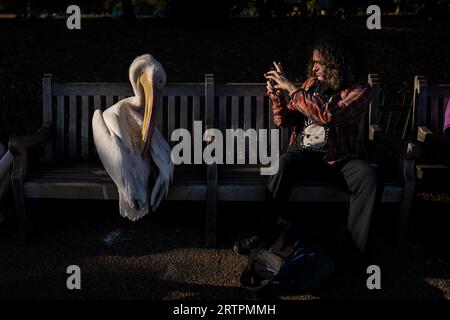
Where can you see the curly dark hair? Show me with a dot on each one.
(342, 61)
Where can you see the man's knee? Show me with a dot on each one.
(367, 175)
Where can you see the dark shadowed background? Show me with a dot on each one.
(163, 255)
(235, 40)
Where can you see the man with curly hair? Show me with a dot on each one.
(324, 117)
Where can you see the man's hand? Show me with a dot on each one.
(271, 91)
(281, 83)
(279, 68)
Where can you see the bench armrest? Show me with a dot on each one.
(18, 145)
(423, 134)
(427, 137)
(407, 149)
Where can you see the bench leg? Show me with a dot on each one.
(406, 204)
(24, 224)
(211, 207)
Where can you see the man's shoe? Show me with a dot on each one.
(244, 246)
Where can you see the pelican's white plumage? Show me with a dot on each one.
(120, 134)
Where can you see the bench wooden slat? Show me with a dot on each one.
(222, 113)
(48, 179)
(47, 98)
(120, 89)
(209, 100)
(196, 108)
(49, 174)
(97, 102)
(259, 112)
(435, 114)
(234, 112)
(247, 113)
(240, 89)
(244, 184)
(47, 115)
(78, 181)
(184, 112)
(429, 99)
(72, 127)
(60, 126)
(171, 116)
(85, 121)
(92, 88)
(439, 90)
(249, 154)
(106, 191)
(188, 193)
(184, 89)
(431, 172)
(109, 101)
(420, 102)
(97, 106)
(302, 193)
(234, 179)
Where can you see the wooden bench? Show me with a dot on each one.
(69, 167)
(429, 103)
(5, 179)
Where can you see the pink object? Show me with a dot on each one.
(447, 121)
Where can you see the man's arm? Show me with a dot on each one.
(332, 113)
(282, 115)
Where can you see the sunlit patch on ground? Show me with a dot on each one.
(442, 197)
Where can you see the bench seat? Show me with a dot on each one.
(90, 181)
(246, 184)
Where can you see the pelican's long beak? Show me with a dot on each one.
(149, 111)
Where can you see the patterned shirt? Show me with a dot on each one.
(313, 136)
(341, 115)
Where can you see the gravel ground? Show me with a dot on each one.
(162, 257)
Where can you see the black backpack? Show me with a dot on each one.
(289, 262)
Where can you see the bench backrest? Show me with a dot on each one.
(429, 103)
(68, 108)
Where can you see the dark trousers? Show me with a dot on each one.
(357, 176)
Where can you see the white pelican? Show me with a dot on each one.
(125, 134)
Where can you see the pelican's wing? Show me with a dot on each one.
(112, 152)
(127, 211)
(118, 123)
(160, 152)
(108, 143)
